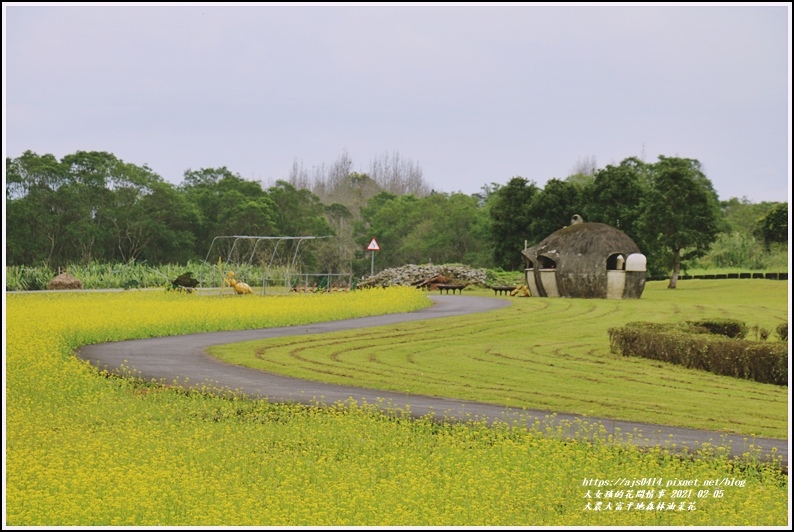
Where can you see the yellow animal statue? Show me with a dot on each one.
(239, 286)
(521, 290)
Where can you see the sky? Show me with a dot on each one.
(472, 94)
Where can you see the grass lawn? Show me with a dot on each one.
(552, 354)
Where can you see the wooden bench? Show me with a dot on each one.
(503, 290)
(453, 287)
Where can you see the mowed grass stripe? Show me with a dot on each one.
(599, 361)
(552, 354)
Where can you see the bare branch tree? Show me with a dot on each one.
(585, 166)
(398, 176)
(338, 183)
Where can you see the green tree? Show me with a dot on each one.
(389, 219)
(681, 216)
(438, 228)
(92, 206)
(442, 230)
(615, 196)
(66, 204)
(337, 254)
(742, 215)
(34, 233)
(774, 226)
(552, 208)
(511, 221)
(739, 244)
(134, 227)
(172, 219)
(30, 172)
(87, 201)
(228, 205)
(298, 212)
(481, 254)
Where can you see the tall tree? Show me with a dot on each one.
(511, 221)
(552, 208)
(338, 183)
(171, 219)
(228, 205)
(34, 233)
(742, 215)
(774, 226)
(133, 228)
(398, 175)
(442, 232)
(681, 216)
(389, 219)
(615, 195)
(90, 206)
(353, 191)
(88, 198)
(337, 253)
(298, 212)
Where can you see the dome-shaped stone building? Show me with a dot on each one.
(585, 260)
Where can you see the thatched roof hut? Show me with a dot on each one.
(587, 260)
(65, 281)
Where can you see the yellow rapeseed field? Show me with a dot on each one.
(87, 449)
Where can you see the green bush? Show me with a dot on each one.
(683, 345)
(131, 275)
(723, 327)
(739, 251)
(28, 277)
(500, 277)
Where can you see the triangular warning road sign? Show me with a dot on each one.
(373, 246)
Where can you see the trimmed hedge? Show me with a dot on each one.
(775, 276)
(723, 327)
(718, 353)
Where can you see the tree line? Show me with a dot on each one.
(92, 206)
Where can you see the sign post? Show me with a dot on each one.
(373, 247)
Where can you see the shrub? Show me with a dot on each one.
(724, 327)
(782, 331)
(744, 359)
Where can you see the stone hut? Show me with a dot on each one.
(585, 260)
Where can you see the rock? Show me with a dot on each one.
(419, 276)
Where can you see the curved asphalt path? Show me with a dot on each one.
(184, 359)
